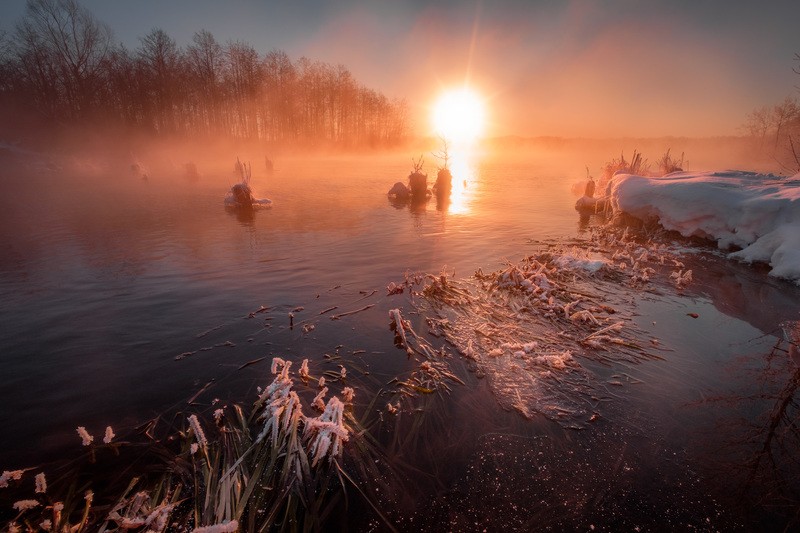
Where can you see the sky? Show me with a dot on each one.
(581, 68)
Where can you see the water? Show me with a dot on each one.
(105, 280)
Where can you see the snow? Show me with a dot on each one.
(757, 214)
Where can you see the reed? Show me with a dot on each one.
(273, 468)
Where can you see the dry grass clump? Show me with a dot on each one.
(668, 164)
(527, 326)
(637, 165)
(276, 468)
(640, 166)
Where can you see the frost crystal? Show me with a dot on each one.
(348, 393)
(198, 431)
(327, 432)
(303, 372)
(227, 527)
(85, 437)
(281, 404)
(318, 401)
(41, 483)
(8, 475)
(399, 328)
(24, 505)
(275, 362)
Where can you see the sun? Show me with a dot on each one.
(458, 115)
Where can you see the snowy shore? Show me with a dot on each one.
(758, 215)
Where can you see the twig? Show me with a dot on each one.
(340, 315)
(201, 335)
(201, 391)
(249, 363)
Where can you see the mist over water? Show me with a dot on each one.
(107, 278)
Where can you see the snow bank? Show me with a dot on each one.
(759, 213)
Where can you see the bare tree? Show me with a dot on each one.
(280, 80)
(206, 61)
(60, 61)
(159, 58)
(797, 69)
(244, 76)
(783, 113)
(62, 40)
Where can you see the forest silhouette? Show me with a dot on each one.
(60, 68)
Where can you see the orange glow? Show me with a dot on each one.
(464, 182)
(458, 115)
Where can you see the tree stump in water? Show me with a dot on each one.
(418, 183)
(444, 183)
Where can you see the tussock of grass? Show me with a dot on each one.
(275, 468)
(637, 165)
(668, 164)
(527, 326)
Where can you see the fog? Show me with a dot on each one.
(576, 69)
(569, 69)
(135, 159)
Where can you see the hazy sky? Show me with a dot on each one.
(547, 67)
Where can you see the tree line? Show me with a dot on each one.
(62, 63)
(776, 129)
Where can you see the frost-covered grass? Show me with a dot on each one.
(528, 325)
(276, 466)
(280, 466)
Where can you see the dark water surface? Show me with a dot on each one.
(106, 279)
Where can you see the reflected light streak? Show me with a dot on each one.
(464, 182)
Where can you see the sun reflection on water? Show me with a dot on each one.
(465, 176)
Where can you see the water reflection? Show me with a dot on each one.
(463, 167)
(588, 220)
(458, 200)
(443, 203)
(157, 264)
(245, 217)
(742, 292)
(418, 206)
(752, 449)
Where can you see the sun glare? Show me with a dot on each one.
(458, 115)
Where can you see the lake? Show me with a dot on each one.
(124, 299)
